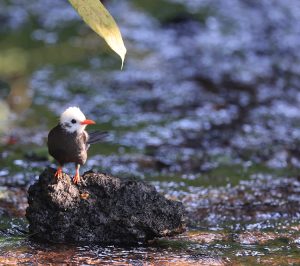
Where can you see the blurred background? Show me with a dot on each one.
(207, 107)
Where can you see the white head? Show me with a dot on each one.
(73, 120)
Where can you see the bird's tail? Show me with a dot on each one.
(96, 136)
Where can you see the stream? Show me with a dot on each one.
(207, 109)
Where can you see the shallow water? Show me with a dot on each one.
(206, 109)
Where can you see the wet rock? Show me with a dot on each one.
(101, 209)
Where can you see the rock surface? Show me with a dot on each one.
(101, 209)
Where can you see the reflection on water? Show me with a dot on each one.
(193, 248)
(206, 108)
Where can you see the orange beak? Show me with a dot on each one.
(88, 122)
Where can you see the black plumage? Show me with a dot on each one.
(68, 147)
(97, 136)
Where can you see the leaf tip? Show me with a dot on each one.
(123, 57)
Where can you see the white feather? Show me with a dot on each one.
(68, 115)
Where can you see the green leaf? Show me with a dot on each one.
(98, 18)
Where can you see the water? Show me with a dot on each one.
(206, 109)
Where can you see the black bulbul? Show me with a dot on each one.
(68, 142)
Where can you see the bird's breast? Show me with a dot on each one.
(67, 147)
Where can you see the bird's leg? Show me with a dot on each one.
(59, 173)
(76, 178)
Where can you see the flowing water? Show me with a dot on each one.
(207, 109)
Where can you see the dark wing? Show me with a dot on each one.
(67, 147)
(96, 136)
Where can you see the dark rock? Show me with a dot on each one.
(101, 209)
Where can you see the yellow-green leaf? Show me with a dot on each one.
(98, 18)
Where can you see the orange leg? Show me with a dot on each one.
(59, 173)
(76, 178)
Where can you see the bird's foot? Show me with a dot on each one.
(76, 178)
(59, 173)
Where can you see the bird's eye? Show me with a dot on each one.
(73, 121)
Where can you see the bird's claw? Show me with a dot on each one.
(59, 173)
(76, 178)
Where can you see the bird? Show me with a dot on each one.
(68, 141)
